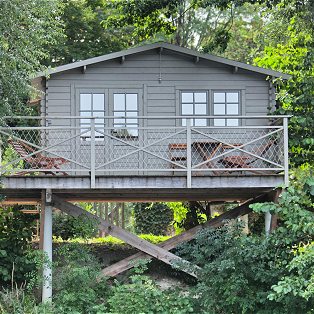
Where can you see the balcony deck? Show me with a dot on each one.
(162, 158)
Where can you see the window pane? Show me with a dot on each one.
(85, 121)
(232, 97)
(219, 109)
(219, 122)
(187, 109)
(200, 122)
(131, 101)
(86, 102)
(133, 132)
(232, 109)
(119, 121)
(131, 121)
(200, 97)
(119, 101)
(99, 102)
(183, 122)
(119, 113)
(86, 114)
(131, 114)
(232, 122)
(200, 108)
(187, 97)
(219, 97)
(100, 121)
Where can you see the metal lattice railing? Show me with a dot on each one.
(158, 146)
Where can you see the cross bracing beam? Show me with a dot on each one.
(131, 239)
(127, 263)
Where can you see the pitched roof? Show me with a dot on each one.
(166, 46)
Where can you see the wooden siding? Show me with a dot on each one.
(141, 72)
(177, 72)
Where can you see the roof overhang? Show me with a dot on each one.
(180, 50)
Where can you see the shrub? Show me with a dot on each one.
(16, 301)
(77, 287)
(143, 296)
(16, 230)
(258, 274)
(154, 218)
(67, 227)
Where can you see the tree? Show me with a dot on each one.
(26, 28)
(84, 37)
(291, 50)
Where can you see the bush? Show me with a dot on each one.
(152, 218)
(77, 287)
(16, 301)
(67, 227)
(143, 296)
(16, 230)
(258, 274)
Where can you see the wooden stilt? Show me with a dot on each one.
(128, 237)
(188, 235)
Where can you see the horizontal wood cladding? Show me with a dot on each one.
(177, 72)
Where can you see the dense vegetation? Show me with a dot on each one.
(240, 273)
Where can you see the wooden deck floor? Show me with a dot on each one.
(137, 188)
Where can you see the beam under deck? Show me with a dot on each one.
(137, 188)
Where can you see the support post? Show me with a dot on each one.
(286, 150)
(267, 223)
(92, 154)
(47, 248)
(188, 154)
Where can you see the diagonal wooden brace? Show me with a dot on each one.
(131, 239)
(127, 263)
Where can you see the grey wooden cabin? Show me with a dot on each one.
(157, 111)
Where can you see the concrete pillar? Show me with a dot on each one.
(267, 223)
(47, 248)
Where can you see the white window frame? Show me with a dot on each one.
(124, 127)
(194, 102)
(231, 119)
(100, 123)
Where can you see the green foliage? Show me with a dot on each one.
(77, 286)
(257, 274)
(179, 215)
(16, 230)
(84, 37)
(26, 28)
(292, 51)
(154, 218)
(16, 301)
(142, 295)
(67, 227)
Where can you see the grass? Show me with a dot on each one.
(112, 241)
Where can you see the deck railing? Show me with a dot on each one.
(171, 146)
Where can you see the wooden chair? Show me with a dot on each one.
(37, 160)
(240, 161)
(177, 153)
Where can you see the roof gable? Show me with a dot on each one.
(166, 46)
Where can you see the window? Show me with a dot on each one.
(92, 105)
(125, 110)
(226, 103)
(194, 104)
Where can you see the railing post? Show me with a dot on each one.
(92, 154)
(286, 150)
(188, 154)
